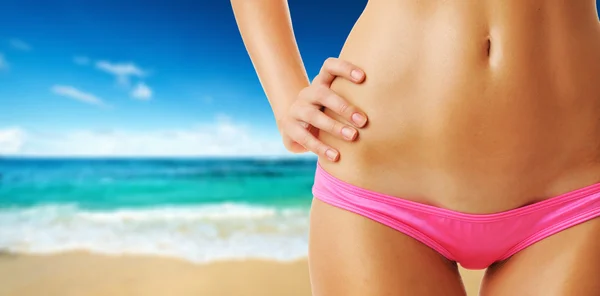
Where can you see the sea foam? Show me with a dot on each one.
(199, 233)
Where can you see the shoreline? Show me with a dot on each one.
(85, 273)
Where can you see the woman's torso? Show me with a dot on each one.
(475, 106)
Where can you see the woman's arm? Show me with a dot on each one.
(266, 30)
(297, 104)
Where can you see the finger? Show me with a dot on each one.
(304, 124)
(303, 137)
(325, 123)
(334, 67)
(329, 99)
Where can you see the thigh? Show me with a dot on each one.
(566, 263)
(352, 255)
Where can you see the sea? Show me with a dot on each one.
(201, 210)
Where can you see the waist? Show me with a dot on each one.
(469, 111)
(478, 47)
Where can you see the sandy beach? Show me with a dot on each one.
(91, 274)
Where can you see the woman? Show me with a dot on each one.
(482, 145)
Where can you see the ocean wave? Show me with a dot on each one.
(200, 233)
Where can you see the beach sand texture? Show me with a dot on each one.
(84, 274)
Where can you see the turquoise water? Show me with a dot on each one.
(197, 209)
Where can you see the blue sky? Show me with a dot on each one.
(144, 77)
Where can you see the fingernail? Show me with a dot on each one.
(358, 119)
(348, 133)
(356, 74)
(332, 155)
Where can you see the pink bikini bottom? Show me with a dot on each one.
(474, 241)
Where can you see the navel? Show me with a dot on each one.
(493, 50)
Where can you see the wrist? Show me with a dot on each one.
(280, 111)
(279, 117)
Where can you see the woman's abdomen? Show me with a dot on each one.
(472, 107)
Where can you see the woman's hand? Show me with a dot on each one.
(301, 124)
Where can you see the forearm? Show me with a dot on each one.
(266, 29)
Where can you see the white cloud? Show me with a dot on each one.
(222, 137)
(75, 94)
(141, 92)
(11, 140)
(122, 71)
(19, 44)
(3, 62)
(81, 60)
